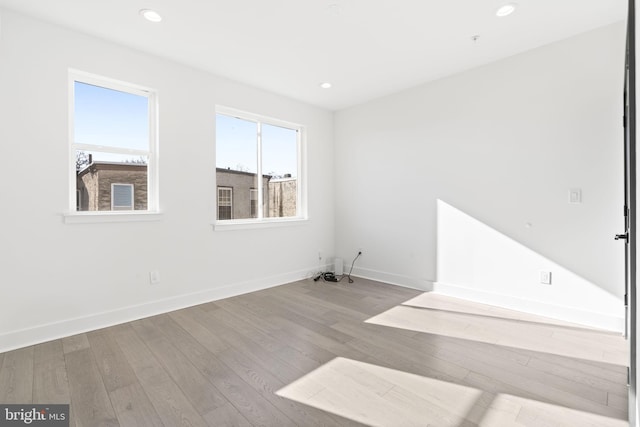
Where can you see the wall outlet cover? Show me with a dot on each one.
(154, 277)
(545, 277)
(575, 195)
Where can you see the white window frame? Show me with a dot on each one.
(152, 212)
(301, 185)
(230, 205)
(131, 205)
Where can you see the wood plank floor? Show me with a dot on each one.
(319, 354)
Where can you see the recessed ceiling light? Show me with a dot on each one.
(151, 15)
(506, 10)
(325, 85)
(334, 9)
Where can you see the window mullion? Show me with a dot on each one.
(153, 176)
(299, 154)
(259, 184)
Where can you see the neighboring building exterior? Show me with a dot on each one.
(283, 193)
(106, 186)
(237, 196)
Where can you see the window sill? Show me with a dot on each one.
(241, 224)
(103, 216)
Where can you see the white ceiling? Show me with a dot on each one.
(365, 48)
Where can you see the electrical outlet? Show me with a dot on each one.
(545, 277)
(154, 277)
(575, 195)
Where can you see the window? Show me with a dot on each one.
(121, 197)
(225, 203)
(113, 145)
(262, 159)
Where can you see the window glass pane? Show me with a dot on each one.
(97, 171)
(236, 144)
(237, 163)
(111, 122)
(110, 118)
(280, 162)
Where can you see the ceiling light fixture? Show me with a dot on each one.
(325, 85)
(150, 15)
(506, 10)
(334, 9)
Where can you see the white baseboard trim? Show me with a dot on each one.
(67, 327)
(392, 279)
(593, 319)
(64, 328)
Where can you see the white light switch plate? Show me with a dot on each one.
(575, 195)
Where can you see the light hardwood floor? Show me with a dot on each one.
(319, 354)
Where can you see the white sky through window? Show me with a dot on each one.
(110, 118)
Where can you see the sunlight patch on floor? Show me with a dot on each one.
(533, 412)
(379, 396)
(434, 314)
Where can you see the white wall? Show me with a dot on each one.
(502, 144)
(57, 278)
